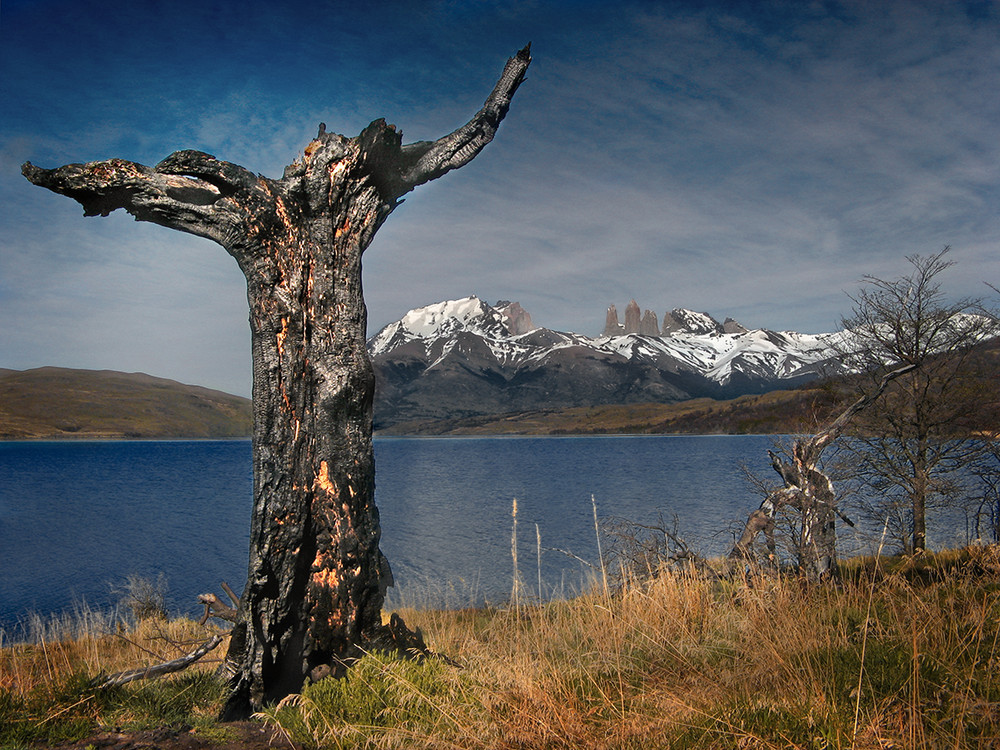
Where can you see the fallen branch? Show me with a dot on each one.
(157, 670)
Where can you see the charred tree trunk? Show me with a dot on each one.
(809, 492)
(316, 578)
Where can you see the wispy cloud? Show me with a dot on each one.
(752, 161)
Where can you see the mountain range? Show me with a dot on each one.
(464, 358)
(466, 367)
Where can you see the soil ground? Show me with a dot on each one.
(244, 735)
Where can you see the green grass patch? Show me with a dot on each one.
(71, 709)
(381, 695)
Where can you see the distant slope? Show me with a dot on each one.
(796, 410)
(776, 412)
(55, 402)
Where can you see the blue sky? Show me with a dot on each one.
(751, 160)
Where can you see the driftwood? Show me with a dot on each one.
(158, 670)
(808, 491)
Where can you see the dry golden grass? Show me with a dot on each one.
(899, 654)
(46, 690)
(47, 659)
(882, 660)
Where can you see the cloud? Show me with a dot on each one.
(749, 160)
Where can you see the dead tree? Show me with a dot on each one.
(316, 579)
(809, 492)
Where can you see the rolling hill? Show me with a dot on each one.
(55, 402)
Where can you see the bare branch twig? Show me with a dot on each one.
(157, 670)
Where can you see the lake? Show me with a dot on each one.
(77, 518)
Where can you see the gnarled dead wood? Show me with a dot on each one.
(810, 492)
(158, 670)
(316, 578)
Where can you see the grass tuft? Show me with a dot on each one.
(381, 700)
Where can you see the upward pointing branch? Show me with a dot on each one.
(194, 192)
(810, 449)
(425, 161)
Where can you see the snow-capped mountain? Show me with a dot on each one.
(466, 357)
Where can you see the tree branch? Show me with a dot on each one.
(815, 445)
(424, 161)
(227, 177)
(215, 608)
(158, 670)
(179, 193)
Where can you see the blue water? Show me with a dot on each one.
(446, 503)
(77, 518)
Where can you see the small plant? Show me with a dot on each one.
(144, 598)
(182, 699)
(59, 711)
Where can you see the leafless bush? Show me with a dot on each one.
(638, 551)
(145, 598)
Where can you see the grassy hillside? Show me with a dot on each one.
(775, 412)
(54, 402)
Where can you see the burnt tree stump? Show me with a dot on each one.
(317, 579)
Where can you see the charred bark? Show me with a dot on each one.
(316, 579)
(809, 492)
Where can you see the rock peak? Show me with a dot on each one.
(611, 325)
(730, 325)
(632, 314)
(518, 320)
(649, 326)
(689, 321)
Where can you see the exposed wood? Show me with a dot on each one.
(158, 670)
(231, 594)
(316, 578)
(215, 608)
(810, 493)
